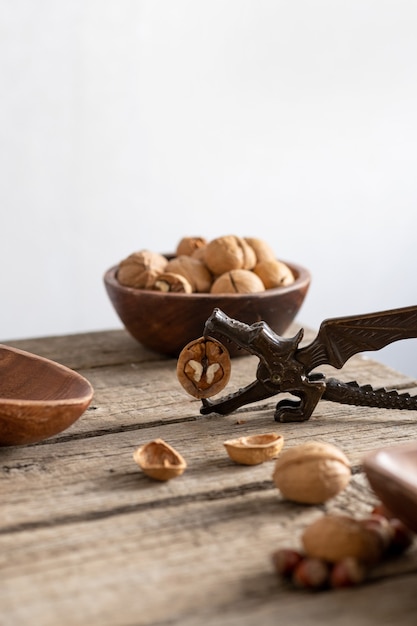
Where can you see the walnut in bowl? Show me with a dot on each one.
(167, 320)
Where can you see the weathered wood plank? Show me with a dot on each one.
(163, 565)
(85, 537)
(86, 476)
(85, 350)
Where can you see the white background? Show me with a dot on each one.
(127, 124)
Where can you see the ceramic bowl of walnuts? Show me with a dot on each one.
(164, 300)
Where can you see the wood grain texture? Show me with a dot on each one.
(87, 538)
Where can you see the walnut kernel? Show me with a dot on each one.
(203, 367)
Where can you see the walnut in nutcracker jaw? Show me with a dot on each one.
(203, 367)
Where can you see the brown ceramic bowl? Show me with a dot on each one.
(38, 397)
(166, 322)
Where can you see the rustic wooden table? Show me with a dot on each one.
(87, 538)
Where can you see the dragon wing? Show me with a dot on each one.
(340, 338)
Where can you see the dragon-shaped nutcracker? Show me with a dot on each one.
(286, 368)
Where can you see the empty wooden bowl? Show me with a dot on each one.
(392, 474)
(166, 322)
(38, 397)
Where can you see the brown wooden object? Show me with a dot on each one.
(166, 322)
(38, 397)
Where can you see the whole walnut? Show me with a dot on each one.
(274, 273)
(336, 537)
(312, 472)
(140, 269)
(238, 281)
(188, 245)
(227, 253)
(193, 270)
(263, 250)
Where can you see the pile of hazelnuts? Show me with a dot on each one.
(228, 264)
(339, 551)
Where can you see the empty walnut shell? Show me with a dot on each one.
(254, 449)
(312, 472)
(159, 460)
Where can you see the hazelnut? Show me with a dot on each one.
(274, 274)
(311, 573)
(254, 449)
(159, 460)
(311, 472)
(203, 367)
(336, 537)
(402, 537)
(188, 245)
(238, 281)
(140, 269)
(348, 572)
(193, 270)
(228, 253)
(381, 527)
(170, 282)
(263, 250)
(285, 560)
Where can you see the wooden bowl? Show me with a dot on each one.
(38, 397)
(392, 474)
(166, 322)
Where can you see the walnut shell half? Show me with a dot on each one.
(254, 449)
(159, 460)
